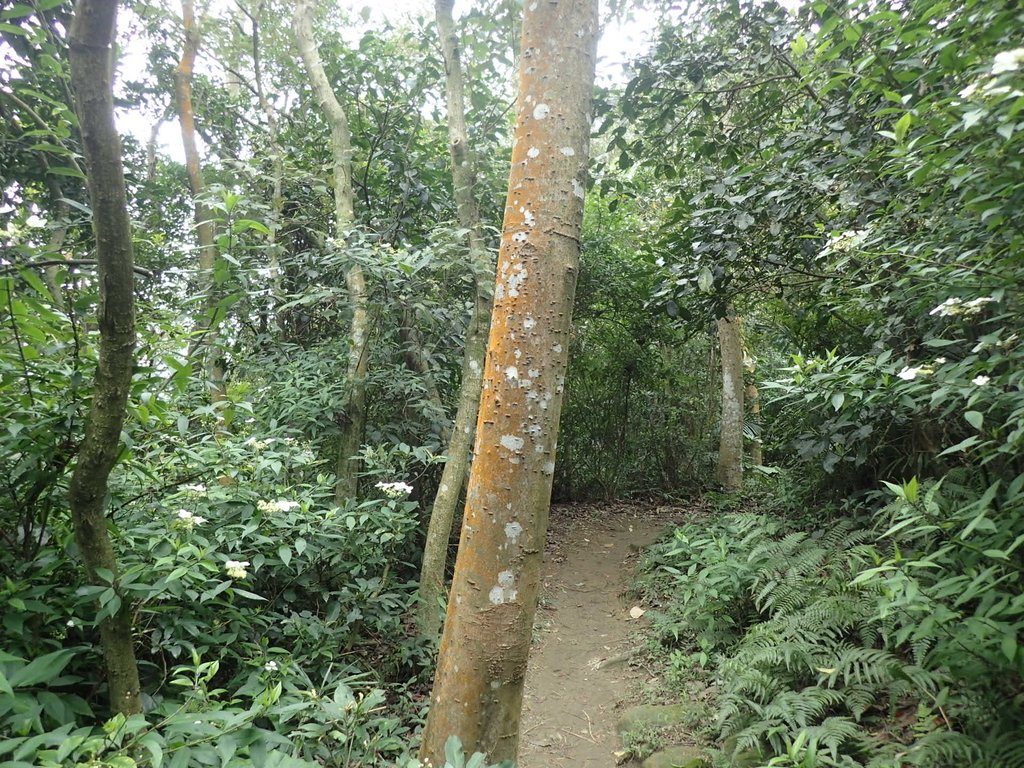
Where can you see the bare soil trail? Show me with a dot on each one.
(579, 673)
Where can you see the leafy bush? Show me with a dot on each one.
(260, 607)
(859, 646)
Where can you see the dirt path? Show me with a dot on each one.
(578, 672)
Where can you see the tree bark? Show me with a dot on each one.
(730, 446)
(208, 346)
(352, 420)
(478, 687)
(453, 477)
(277, 157)
(91, 52)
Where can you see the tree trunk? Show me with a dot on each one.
(208, 346)
(352, 421)
(91, 51)
(730, 446)
(453, 477)
(478, 688)
(277, 158)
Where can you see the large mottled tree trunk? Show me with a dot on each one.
(352, 419)
(91, 49)
(207, 345)
(442, 516)
(730, 445)
(478, 687)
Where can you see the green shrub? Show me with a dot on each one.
(859, 646)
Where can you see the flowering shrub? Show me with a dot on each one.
(244, 591)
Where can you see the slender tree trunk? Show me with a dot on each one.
(456, 469)
(91, 51)
(208, 346)
(352, 421)
(478, 688)
(730, 446)
(277, 155)
(753, 398)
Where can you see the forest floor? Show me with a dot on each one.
(583, 669)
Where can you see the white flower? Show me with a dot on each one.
(1008, 61)
(198, 488)
(949, 307)
(845, 241)
(71, 622)
(978, 303)
(980, 381)
(954, 306)
(271, 666)
(909, 374)
(236, 568)
(969, 91)
(188, 519)
(395, 490)
(992, 88)
(940, 360)
(281, 505)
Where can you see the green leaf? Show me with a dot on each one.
(250, 595)
(705, 280)
(62, 170)
(963, 445)
(285, 553)
(972, 117)
(975, 419)
(1009, 646)
(838, 398)
(243, 225)
(154, 745)
(18, 11)
(453, 752)
(41, 669)
(902, 127)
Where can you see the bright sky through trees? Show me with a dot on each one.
(622, 40)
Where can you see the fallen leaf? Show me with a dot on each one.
(636, 612)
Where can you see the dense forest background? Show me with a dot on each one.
(828, 197)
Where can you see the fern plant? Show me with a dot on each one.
(888, 640)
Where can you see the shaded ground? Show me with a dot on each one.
(579, 673)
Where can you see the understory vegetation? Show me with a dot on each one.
(845, 178)
(861, 606)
